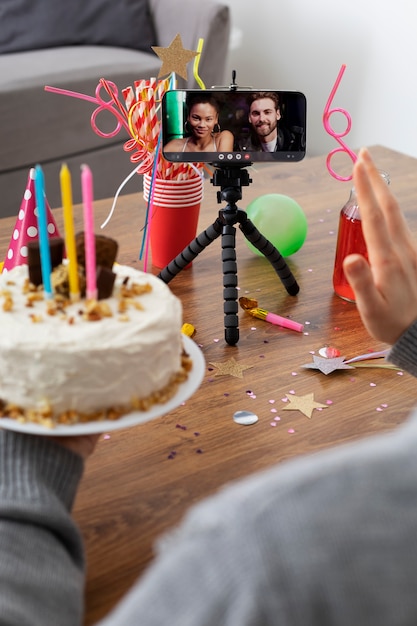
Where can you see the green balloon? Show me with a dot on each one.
(281, 220)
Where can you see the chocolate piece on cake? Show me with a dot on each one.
(56, 246)
(105, 281)
(106, 250)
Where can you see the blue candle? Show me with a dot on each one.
(42, 217)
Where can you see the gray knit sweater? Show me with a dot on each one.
(328, 539)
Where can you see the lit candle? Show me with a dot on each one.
(89, 238)
(44, 251)
(66, 195)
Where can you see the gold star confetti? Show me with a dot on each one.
(174, 58)
(231, 368)
(305, 404)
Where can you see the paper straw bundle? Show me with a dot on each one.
(177, 171)
(138, 115)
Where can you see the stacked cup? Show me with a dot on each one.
(174, 216)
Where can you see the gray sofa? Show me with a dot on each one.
(72, 45)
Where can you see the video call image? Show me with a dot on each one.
(254, 125)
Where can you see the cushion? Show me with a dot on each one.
(36, 24)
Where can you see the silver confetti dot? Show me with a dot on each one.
(245, 418)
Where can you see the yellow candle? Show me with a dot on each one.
(66, 195)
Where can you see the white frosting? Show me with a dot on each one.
(88, 365)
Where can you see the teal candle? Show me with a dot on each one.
(44, 251)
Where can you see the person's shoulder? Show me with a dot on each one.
(225, 140)
(175, 145)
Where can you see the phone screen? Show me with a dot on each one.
(233, 126)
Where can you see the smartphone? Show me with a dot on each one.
(236, 127)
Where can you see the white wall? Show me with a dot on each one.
(301, 45)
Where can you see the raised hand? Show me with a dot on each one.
(386, 287)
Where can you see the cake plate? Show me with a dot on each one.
(185, 391)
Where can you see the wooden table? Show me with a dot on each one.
(134, 488)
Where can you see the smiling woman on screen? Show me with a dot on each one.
(203, 132)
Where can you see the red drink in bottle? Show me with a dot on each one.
(349, 240)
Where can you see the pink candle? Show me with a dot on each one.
(89, 238)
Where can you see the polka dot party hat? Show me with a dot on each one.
(26, 227)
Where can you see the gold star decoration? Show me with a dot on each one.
(231, 368)
(305, 404)
(174, 58)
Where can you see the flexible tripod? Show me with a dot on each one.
(230, 179)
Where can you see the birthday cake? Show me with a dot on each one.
(65, 362)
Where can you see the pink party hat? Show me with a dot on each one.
(26, 227)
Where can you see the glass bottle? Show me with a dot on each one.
(350, 240)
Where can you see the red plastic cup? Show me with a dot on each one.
(174, 216)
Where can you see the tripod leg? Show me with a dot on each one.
(230, 293)
(191, 251)
(260, 242)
